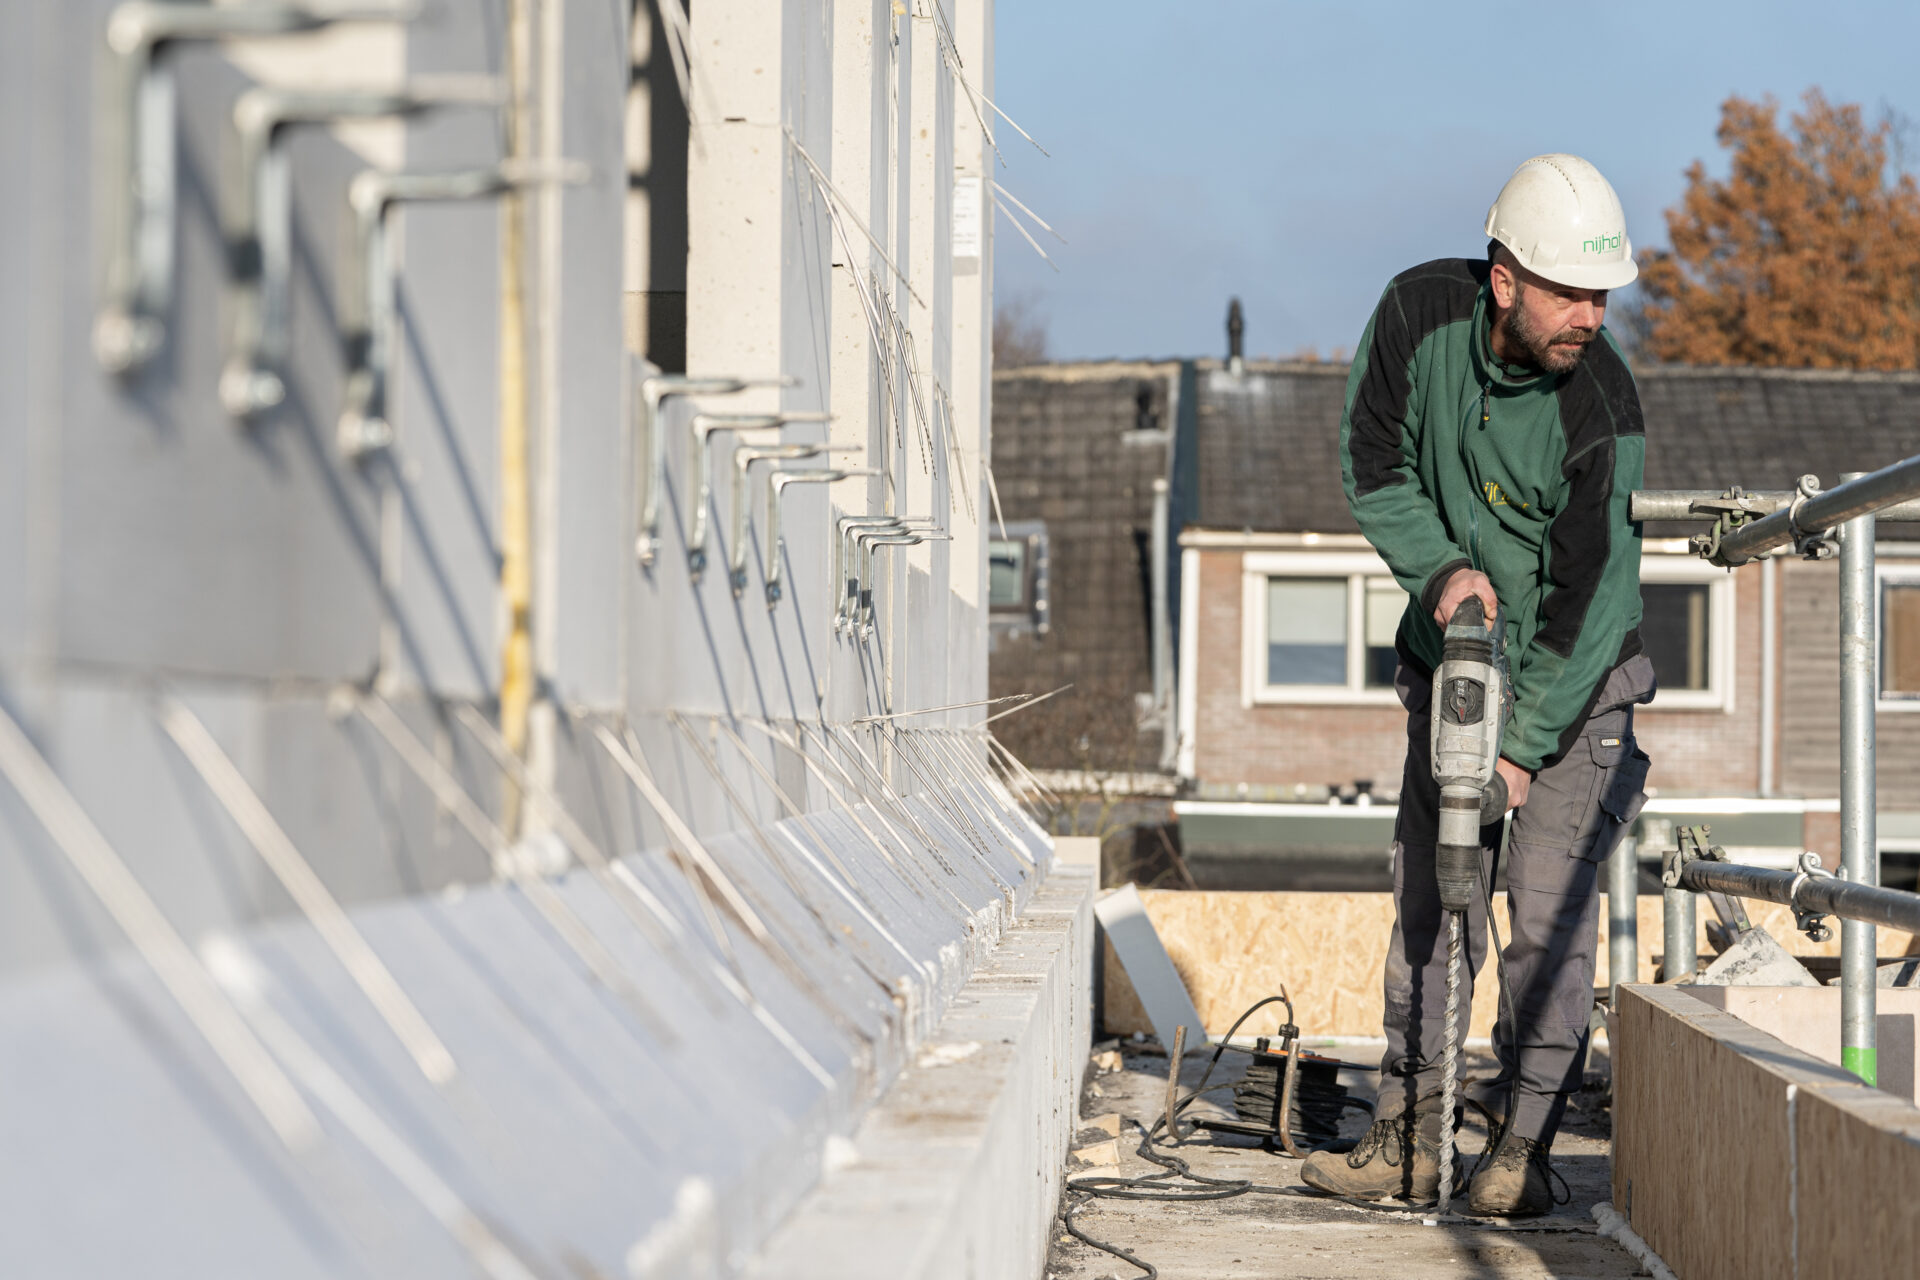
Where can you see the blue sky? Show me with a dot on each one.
(1299, 154)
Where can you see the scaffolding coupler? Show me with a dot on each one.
(1736, 507)
(1693, 846)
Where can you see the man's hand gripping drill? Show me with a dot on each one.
(1472, 700)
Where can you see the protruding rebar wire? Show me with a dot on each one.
(453, 797)
(245, 983)
(628, 756)
(846, 886)
(993, 492)
(775, 857)
(154, 937)
(848, 786)
(1017, 768)
(942, 802)
(309, 893)
(836, 795)
(869, 308)
(957, 479)
(1016, 202)
(656, 922)
(680, 834)
(846, 209)
(1030, 702)
(1024, 233)
(976, 799)
(951, 706)
(972, 774)
(679, 31)
(869, 769)
(909, 363)
(948, 42)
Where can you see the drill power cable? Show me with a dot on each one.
(1080, 1192)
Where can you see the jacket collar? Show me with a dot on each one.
(1489, 368)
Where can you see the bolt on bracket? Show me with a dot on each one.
(778, 478)
(700, 432)
(650, 442)
(259, 215)
(886, 542)
(136, 144)
(369, 311)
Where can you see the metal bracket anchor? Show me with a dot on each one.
(650, 443)
(744, 456)
(136, 145)
(368, 309)
(700, 431)
(884, 542)
(845, 582)
(259, 218)
(777, 481)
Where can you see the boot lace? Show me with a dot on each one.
(1386, 1138)
(1523, 1151)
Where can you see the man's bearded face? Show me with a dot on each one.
(1543, 346)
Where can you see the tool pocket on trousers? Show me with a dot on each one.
(1622, 767)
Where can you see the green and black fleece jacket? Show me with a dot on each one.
(1452, 458)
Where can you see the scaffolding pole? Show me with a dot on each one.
(1859, 850)
(1623, 915)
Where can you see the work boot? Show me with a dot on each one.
(1399, 1156)
(1514, 1183)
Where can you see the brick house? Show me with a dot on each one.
(1287, 620)
(1276, 715)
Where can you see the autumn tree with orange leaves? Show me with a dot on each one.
(1806, 256)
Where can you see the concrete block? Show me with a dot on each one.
(1808, 1018)
(1737, 1156)
(956, 1172)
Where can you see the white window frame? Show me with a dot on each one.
(1354, 567)
(1903, 572)
(1722, 653)
(1357, 566)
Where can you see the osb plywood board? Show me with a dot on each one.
(1329, 949)
(1857, 1156)
(1699, 1137)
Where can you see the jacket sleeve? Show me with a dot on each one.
(1379, 445)
(1591, 590)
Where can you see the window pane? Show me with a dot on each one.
(1307, 631)
(1900, 639)
(1006, 573)
(1385, 603)
(1674, 630)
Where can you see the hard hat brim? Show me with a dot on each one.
(1590, 275)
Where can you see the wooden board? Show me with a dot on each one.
(1329, 949)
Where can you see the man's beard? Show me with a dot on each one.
(1556, 353)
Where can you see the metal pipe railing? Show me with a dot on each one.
(1868, 904)
(1748, 526)
(1792, 517)
(1697, 504)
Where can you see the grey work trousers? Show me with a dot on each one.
(1577, 809)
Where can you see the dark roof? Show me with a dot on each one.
(1269, 439)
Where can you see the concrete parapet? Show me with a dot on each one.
(1736, 1155)
(955, 1174)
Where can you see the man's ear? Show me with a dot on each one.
(1505, 285)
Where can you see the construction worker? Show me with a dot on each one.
(1491, 438)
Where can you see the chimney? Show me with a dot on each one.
(1236, 330)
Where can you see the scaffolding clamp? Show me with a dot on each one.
(1692, 846)
(1812, 923)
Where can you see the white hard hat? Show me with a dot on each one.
(1563, 222)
